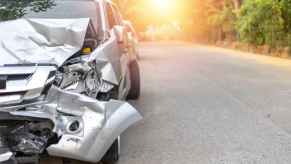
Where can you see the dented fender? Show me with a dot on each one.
(99, 123)
(50, 90)
(99, 130)
(97, 139)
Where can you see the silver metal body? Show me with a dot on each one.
(133, 38)
(32, 53)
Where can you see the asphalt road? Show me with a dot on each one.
(204, 105)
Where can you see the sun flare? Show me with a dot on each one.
(162, 5)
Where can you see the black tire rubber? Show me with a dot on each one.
(134, 92)
(112, 155)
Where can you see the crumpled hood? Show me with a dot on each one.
(35, 41)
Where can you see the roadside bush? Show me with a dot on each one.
(223, 18)
(286, 14)
(262, 22)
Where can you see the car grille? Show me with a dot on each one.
(21, 85)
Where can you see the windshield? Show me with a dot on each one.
(67, 9)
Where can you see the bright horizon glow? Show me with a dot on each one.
(163, 5)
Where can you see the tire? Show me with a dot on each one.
(134, 92)
(112, 155)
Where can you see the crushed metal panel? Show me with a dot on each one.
(41, 40)
(54, 41)
(108, 57)
(97, 135)
(100, 123)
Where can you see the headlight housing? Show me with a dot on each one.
(82, 77)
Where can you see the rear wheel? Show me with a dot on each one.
(112, 155)
(134, 91)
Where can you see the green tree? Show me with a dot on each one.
(12, 9)
(261, 22)
(221, 18)
(286, 14)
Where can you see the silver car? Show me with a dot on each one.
(133, 38)
(64, 75)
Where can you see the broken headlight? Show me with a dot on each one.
(82, 77)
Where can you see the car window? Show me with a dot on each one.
(67, 9)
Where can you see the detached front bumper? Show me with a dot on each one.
(96, 139)
(86, 127)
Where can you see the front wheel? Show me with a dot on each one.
(134, 91)
(112, 155)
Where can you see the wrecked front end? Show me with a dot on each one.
(59, 109)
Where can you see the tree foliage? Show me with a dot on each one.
(12, 9)
(261, 22)
(257, 22)
(222, 17)
(286, 15)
